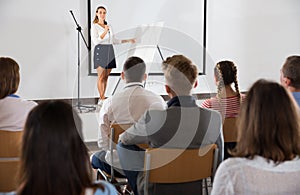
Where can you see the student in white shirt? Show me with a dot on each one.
(124, 107)
(266, 158)
(13, 109)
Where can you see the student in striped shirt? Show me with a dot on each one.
(228, 100)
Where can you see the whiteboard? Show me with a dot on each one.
(180, 26)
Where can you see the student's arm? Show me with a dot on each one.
(137, 133)
(104, 126)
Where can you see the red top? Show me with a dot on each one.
(228, 107)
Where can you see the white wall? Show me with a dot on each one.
(41, 36)
(257, 35)
(175, 26)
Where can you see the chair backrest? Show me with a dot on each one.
(117, 129)
(230, 130)
(166, 165)
(10, 143)
(10, 150)
(9, 174)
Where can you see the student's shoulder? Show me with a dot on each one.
(231, 164)
(109, 189)
(207, 103)
(209, 110)
(101, 188)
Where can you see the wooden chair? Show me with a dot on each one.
(116, 130)
(10, 150)
(230, 130)
(230, 136)
(179, 165)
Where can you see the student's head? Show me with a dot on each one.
(226, 74)
(268, 124)
(54, 158)
(100, 14)
(290, 73)
(180, 74)
(134, 70)
(9, 76)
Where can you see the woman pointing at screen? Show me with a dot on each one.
(104, 56)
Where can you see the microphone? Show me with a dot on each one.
(105, 23)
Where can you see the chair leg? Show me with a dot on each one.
(127, 190)
(101, 176)
(206, 188)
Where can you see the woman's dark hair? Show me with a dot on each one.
(226, 73)
(269, 124)
(96, 19)
(9, 76)
(54, 158)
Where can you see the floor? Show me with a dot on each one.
(92, 147)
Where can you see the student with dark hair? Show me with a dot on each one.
(54, 159)
(104, 56)
(267, 153)
(13, 109)
(290, 76)
(227, 100)
(124, 107)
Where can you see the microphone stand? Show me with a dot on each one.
(79, 106)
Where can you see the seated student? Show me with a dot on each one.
(228, 100)
(182, 125)
(54, 158)
(124, 107)
(267, 154)
(13, 109)
(290, 76)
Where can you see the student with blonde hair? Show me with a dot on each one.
(266, 158)
(182, 125)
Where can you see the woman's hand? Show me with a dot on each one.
(106, 27)
(128, 41)
(131, 41)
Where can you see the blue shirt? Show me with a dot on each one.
(297, 97)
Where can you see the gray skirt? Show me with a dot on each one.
(104, 56)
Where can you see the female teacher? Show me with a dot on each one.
(104, 56)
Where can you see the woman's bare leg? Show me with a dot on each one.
(102, 81)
